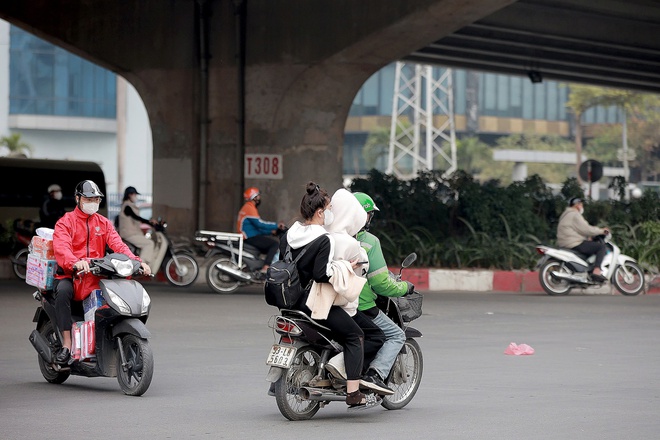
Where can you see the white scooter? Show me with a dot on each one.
(563, 269)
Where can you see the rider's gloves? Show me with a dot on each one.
(411, 287)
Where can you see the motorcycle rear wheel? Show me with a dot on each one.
(19, 263)
(135, 377)
(183, 274)
(302, 370)
(51, 375)
(405, 377)
(628, 284)
(219, 281)
(551, 285)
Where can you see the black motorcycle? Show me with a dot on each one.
(302, 384)
(122, 348)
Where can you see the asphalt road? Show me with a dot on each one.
(594, 374)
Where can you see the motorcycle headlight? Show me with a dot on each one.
(146, 300)
(116, 300)
(123, 267)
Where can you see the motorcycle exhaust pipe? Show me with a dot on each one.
(41, 345)
(321, 394)
(238, 274)
(568, 277)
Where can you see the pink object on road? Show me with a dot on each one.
(517, 350)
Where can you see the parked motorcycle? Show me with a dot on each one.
(23, 232)
(121, 337)
(561, 270)
(233, 262)
(176, 260)
(298, 359)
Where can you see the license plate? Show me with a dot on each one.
(281, 356)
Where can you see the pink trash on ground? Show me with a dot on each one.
(517, 350)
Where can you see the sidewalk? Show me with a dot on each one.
(449, 280)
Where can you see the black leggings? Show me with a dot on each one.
(64, 303)
(591, 248)
(374, 338)
(266, 244)
(346, 331)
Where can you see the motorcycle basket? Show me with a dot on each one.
(410, 306)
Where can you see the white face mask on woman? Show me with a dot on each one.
(57, 195)
(89, 208)
(581, 210)
(328, 217)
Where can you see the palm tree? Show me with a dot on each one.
(15, 145)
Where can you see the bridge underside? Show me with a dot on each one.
(606, 42)
(224, 78)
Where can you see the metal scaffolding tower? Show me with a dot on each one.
(422, 133)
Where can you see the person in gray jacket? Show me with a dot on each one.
(574, 232)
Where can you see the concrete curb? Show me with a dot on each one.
(442, 280)
(493, 281)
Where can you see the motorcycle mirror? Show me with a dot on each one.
(410, 259)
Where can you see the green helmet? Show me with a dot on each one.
(366, 201)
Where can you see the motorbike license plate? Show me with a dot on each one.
(281, 356)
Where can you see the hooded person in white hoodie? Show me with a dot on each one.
(316, 266)
(349, 218)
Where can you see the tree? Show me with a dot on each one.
(15, 145)
(376, 148)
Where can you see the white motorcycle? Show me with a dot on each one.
(563, 269)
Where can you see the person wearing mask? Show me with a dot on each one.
(574, 232)
(53, 208)
(316, 265)
(380, 283)
(129, 226)
(256, 232)
(81, 235)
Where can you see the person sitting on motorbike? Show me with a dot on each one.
(314, 265)
(348, 219)
(53, 208)
(129, 222)
(574, 232)
(379, 283)
(80, 235)
(256, 232)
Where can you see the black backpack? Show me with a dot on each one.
(282, 288)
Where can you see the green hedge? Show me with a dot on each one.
(458, 222)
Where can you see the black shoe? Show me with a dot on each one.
(271, 389)
(63, 356)
(598, 278)
(373, 381)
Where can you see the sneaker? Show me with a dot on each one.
(271, 389)
(373, 381)
(336, 367)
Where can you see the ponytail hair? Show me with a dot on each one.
(315, 198)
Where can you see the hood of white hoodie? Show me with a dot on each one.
(349, 214)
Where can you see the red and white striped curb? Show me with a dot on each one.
(492, 281)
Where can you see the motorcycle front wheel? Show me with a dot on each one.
(19, 263)
(405, 377)
(550, 284)
(135, 375)
(628, 279)
(51, 375)
(304, 368)
(219, 281)
(181, 270)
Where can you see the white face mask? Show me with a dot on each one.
(328, 217)
(57, 195)
(89, 208)
(581, 210)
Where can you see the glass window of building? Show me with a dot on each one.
(47, 80)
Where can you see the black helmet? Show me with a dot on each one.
(87, 188)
